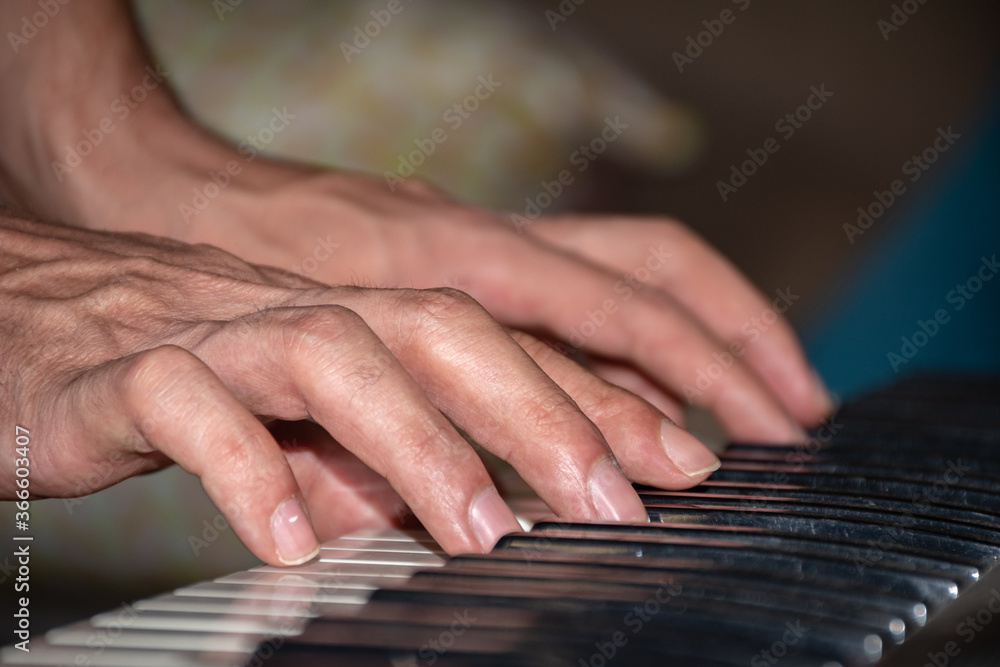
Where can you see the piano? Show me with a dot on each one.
(875, 543)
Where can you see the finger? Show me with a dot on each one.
(324, 362)
(332, 476)
(165, 400)
(610, 318)
(639, 384)
(650, 448)
(672, 258)
(482, 379)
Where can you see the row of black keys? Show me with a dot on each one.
(826, 554)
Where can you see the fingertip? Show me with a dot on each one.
(822, 397)
(686, 452)
(491, 519)
(612, 494)
(295, 540)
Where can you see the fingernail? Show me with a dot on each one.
(491, 519)
(613, 496)
(690, 456)
(293, 534)
(823, 396)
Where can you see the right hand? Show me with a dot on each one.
(123, 353)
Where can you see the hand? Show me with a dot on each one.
(675, 334)
(124, 352)
(661, 312)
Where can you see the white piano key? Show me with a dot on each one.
(413, 560)
(85, 635)
(202, 622)
(390, 535)
(46, 655)
(330, 581)
(374, 546)
(222, 606)
(346, 569)
(316, 595)
(195, 605)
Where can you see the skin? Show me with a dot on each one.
(184, 352)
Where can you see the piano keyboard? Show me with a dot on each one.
(875, 547)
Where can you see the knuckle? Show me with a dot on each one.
(150, 371)
(361, 361)
(156, 383)
(439, 305)
(316, 327)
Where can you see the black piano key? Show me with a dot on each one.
(542, 640)
(664, 630)
(362, 641)
(776, 582)
(486, 619)
(743, 596)
(929, 493)
(637, 537)
(963, 479)
(900, 515)
(764, 491)
(932, 590)
(880, 535)
(938, 459)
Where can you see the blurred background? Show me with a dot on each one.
(698, 84)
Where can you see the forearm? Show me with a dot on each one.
(85, 103)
